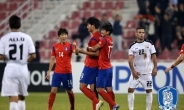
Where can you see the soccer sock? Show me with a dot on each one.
(21, 105)
(72, 100)
(149, 99)
(90, 94)
(131, 101)
(14, 106)
(111, 94)
(107, 98)
(96, 93)
(51, 100)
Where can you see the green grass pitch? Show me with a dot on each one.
(38, 101)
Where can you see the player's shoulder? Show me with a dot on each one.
(131, 45)
(149, 41)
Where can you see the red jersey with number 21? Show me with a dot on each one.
(63, 54)
(106, 44)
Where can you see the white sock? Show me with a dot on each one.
(131, 101)
(21, 105)
(13, 106)
(149, 99)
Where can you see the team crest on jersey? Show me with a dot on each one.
(147, 46)
(66, 48)
(167, 98)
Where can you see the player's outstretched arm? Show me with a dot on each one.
(95, 48)
(130, 62)
(51, 64)
(88, 53)
(154, 59)
(31, 57)
(177, 61)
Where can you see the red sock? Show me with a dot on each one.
(96, 94)
(111, 94)
(90, 94)
(106, 97)
(51, 100)
(72, 100)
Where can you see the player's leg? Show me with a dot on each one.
(101, 83)
(146, 81)
(56, 82)
(133, 83)
(88, 77)
(109, 88)
(93, 88)
(10, 84)
(23, 86)
(68, 86)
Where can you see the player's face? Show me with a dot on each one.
(140, 34)
(63, 37)
(90, 27)
(104, 32)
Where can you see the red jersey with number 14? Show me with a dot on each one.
(106, 44)
(92, 61)
(63, 54)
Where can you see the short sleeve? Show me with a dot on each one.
(130, 51)
(102, 42)
(182, 49)
(93, 42)
(152, 49)
(72, 47)
(31, 47)
(2, 47)
(53, 53)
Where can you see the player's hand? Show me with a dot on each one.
(167, 70)
(74, 43)
(48, 75)
(154, 71)
(135, 75)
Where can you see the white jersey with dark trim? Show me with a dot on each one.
(142, 51)
(16, 46)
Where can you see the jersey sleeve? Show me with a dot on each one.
(182, 49)
(152, 49)
(53, 53)
(31, 47)
(72, 47)
(130, 51)
(102, 42)
(2, 47)
(93, 41)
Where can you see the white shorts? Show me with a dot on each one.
(144, 79)
(15, 81)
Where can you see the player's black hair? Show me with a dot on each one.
(93, 21)
(62, 31)
(14, 22)
(108, 27)
(140, 28)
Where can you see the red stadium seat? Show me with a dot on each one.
(86, 14)
(109, 5)
(120, 4)
(2, 15)
(130, 34)
(75, 15)
(109, 13)
(12, 7)
(98, 14)
(130, 24)
(119, 55)
(52, 34)
(64, 24)
(74, 24)
(86, 5)
(2, 6)
(97, 5)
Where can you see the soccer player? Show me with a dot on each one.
(178, 60)
(61, 52)
(104, 80)
(90, 71)
(18, 49)
(143, 64)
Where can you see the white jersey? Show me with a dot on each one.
(142, 56)
(16, 46)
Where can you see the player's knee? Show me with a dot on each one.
(21, 97)
(54, 90)
(69, 91)
(130, 90)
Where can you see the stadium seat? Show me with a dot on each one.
(52, 34)
(64, 24)
(130, 24)
(108, 13)
(86, 14)
(86, 5)
(97, 5)
(2, 15)
(108, 5)
(74, 24)
(119, 55)
(75, 15)
(98, 14)
(120, 4)
(130, 34)
(2, 7)
(12, 7)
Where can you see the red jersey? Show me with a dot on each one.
(92, 61)
(182, 49)
(106, 44)
(63, 54)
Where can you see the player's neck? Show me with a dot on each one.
(94, 31)
(138, 40)
(15, 30)
(62, 43)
